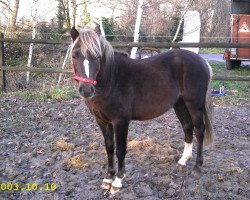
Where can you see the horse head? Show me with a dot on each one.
(88, 51)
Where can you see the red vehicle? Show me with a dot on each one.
(240, 33)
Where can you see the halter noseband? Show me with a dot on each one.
(85, 80)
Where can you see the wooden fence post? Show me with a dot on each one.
(2, 72)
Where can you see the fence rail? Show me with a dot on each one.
(69, 71)
(4, 68)
(35, 69)
(140, 44)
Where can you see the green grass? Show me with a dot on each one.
(211, 50)
(202, 50)
(63, 93)
(58, 94)
(236, 91)
(15, 63)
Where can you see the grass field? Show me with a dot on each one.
(211, 50)
(236, 91)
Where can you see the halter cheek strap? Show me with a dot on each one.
(85, 80)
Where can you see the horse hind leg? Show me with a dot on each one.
(184, 117)
(197, 114)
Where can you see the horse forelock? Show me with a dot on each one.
(94, 45)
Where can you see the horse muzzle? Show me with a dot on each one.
(87, 91)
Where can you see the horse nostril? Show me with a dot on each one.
(92, 89)
(81, 90)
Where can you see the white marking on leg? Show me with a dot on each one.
(117, 183)
(106, 183)
(86, 67)
(187, 153)
(105, 180)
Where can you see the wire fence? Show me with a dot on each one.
(115, 37)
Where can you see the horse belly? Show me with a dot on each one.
(149, 109)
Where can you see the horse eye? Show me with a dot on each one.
(74, 57)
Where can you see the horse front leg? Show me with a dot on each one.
(121, 133)
(108, 134)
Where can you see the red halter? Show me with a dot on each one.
(85, 80)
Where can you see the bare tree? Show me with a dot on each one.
(164, 17)
(221, 10)
(137, 28)
(86, 18)
(6, 12)
(34, 23)
(65, 6)
(113, 5)
(73, 8)
(14, 15)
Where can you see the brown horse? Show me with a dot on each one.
(118, 89)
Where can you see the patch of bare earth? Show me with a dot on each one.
(59, 142)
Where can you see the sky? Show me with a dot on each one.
(47, 9)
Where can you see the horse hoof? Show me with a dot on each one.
(114, 190)
(106, 186)
(196, 172)
(181, 168)
(181, 163)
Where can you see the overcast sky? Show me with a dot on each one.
(47, 9)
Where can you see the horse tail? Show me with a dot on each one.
(209, 132)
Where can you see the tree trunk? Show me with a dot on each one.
(73, 7)
(65, 9)
(66, 12)
(33, 37)
(86, 18)
(137, 28)
(14, 16)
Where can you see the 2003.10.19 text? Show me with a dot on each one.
(28, 186)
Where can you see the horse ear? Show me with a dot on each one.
(74, 33)
(97, 29)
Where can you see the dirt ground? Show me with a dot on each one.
(57, 143)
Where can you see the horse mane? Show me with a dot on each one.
(122, 53)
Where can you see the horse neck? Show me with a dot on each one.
(110, 74)
(107, 76)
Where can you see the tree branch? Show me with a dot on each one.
(6, 5)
